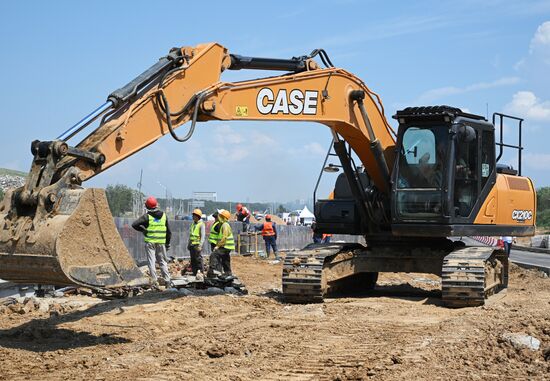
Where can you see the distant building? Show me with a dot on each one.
(205, 196)
(286, 217)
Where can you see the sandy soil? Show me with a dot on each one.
(399, 331)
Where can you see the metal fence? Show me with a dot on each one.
(288, 238)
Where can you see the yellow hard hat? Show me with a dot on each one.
(225, 214)
(198, 212)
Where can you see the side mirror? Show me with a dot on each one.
(466, 134)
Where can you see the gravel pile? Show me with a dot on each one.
(9, 181)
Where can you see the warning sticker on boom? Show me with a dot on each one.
(241, 111)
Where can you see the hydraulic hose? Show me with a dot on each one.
(196, 99)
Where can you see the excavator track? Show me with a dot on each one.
(303, 280)
(470, 275)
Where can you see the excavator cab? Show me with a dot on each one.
(438, 153)
(444, 171)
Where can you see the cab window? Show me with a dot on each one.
(422, 158)
(420, 172)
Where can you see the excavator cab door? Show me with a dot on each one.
(421, 172)
(473, 167)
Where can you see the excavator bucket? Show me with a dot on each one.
(74, 243)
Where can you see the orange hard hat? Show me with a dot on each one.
(239, 206)
(225, 214)
(268, 217)
(197, 212)
(151, 203)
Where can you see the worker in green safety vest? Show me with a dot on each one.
(157, 235)
(196, 241)
(214, 235)
(220, 259)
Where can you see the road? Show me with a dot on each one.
(528, 258)
(525, 258)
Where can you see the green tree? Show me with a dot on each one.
(281, 209)
(119, 198)
(543, 218)
(543, 206)
(543, 198)
(1, 194)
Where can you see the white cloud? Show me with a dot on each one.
(442, 92)
(539, 161)
(232, 154)
(223, 146)
(538, 58)
(312, 150)
(527, 105)
(224, 135)
(541, 39)
(315, 149)
(261, 141)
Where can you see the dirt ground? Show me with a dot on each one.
(398, 331)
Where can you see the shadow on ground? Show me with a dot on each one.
(43, 335)
(400, 291)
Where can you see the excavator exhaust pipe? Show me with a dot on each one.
(75, 243)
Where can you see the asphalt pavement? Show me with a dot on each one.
(526, 259)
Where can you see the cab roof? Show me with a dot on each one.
(432, 113)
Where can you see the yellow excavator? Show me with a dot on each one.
(436, 178)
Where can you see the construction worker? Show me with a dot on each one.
(317, 237)
(196, 241)
(220, 259)
(214, 235)
(326, 238)
(243, 215)
(269, 233)
(154, 225)
(507, 240)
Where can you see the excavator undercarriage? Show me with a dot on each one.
(468, 274)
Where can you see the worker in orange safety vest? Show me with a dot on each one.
(269, 233)
(243, 215)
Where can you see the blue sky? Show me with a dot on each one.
(61, 59)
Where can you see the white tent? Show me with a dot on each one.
(306, 217)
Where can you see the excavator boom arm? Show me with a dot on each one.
(194, 91)
(55, 232)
